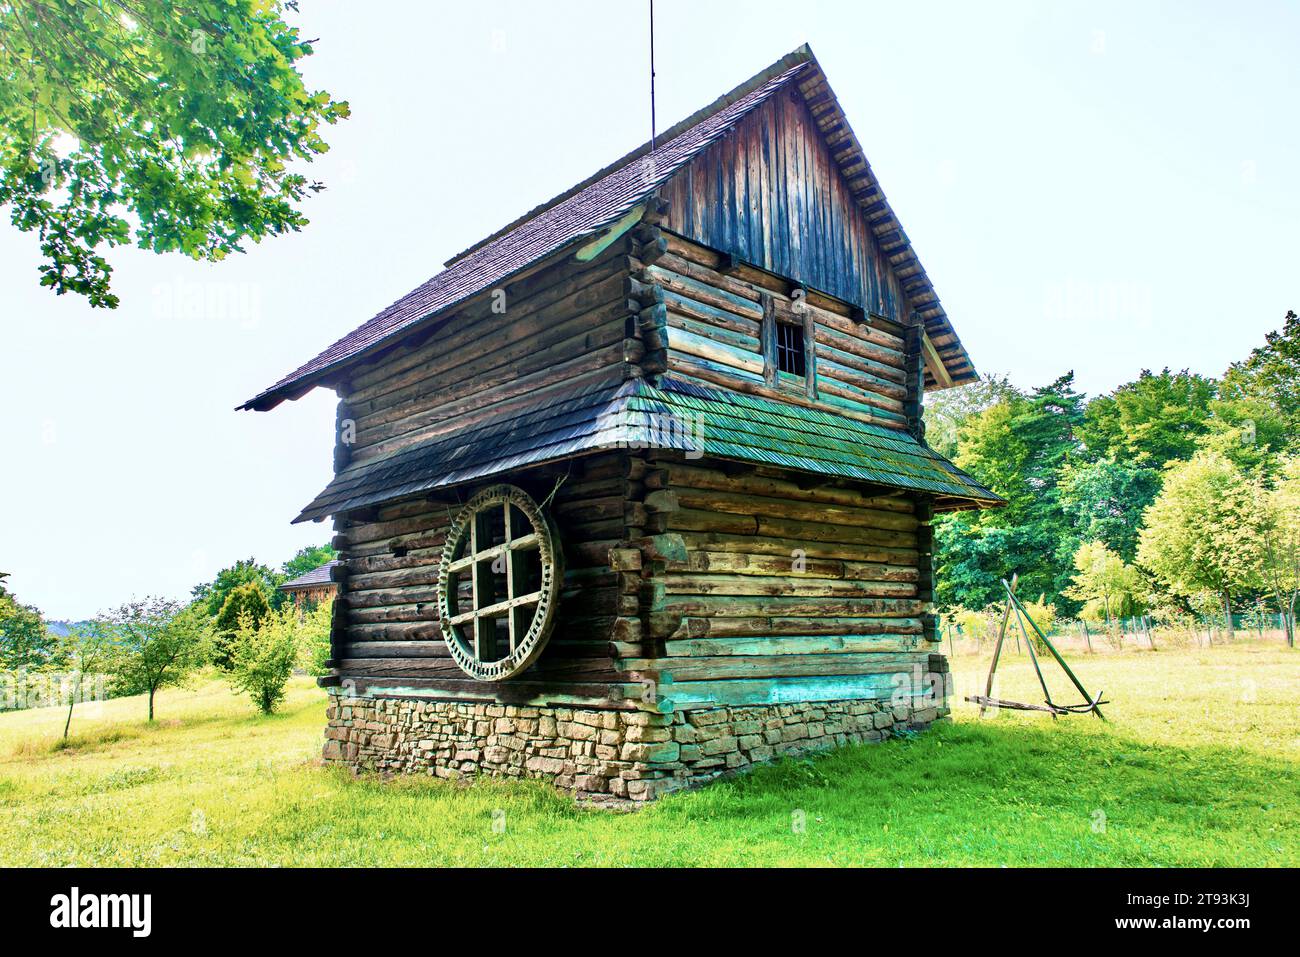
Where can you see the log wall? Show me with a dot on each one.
(386, 635)
(567, 323)
(755, 590)
(720, 319)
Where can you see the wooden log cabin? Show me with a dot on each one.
(635, 491)
(312, 587)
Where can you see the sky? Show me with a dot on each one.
(1100, 187)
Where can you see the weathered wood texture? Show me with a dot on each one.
(756, 585)
(721, 320)
(565, 324)
(773, 194)
(386, 632)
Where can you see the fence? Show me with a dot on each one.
(1141, 631)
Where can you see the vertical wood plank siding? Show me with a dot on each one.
(772, 194)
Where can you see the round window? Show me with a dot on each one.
(499, 583)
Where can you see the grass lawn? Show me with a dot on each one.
(1198, 766)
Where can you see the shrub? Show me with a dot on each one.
(247, 599)
(262, 656)
(315, 638)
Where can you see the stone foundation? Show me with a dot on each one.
(610, 757)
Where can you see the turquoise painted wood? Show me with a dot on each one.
(685, 695)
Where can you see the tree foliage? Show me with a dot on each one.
(1103, 501)
(1271, 374)
(1108, 586)
(1282, 543)
(315, 637)
(305, 559)
(1019, 447)
(1076, 473)
(213, 594)
(159, 644)
(1204, 533)
(947, 411)
(1152, 420)
(263, 657)
(86, 650)
(25, 641)
(180, 123)
(246, 600)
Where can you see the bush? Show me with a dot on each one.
(315, 638)
(978, 625)
(247, 599)
(262, 656)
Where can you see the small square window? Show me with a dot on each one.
(790, 356)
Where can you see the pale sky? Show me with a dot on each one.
(1100, 187)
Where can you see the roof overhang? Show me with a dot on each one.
(695, 420)
(602, 200)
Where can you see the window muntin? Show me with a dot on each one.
(790, 354)
(498, 584)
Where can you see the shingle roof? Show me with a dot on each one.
(320, 575)
(610, 194)
(676, 415)
(580, 212)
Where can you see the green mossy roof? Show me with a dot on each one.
(685, 416)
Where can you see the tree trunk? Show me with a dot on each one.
(1288, 617)
(72, 703)
(1227, 614)
(151, 691)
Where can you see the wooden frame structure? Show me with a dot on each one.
(726, 534)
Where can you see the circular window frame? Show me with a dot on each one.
(524, 648)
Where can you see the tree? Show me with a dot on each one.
(160, 643)
(313, 556)
(1205, 532)
(25, 641)
(263, 656)
(1271, 374)
(213, 594)
(1282, 544)
(1150, 421)
(947, 411)
(1019, 448)
(1104, 501)
(180, 119)
(85, 650)
(247, 599)
(1103, 579)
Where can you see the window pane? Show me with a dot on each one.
(789, 349)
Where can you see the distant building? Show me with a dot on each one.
(311, 588)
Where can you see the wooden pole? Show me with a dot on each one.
(997, 647)
(1055, 654)
(1033, 655)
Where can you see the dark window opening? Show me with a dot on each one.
(790, 355)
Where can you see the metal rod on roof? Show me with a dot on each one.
(652, 77)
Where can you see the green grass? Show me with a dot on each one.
(1197, 767)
